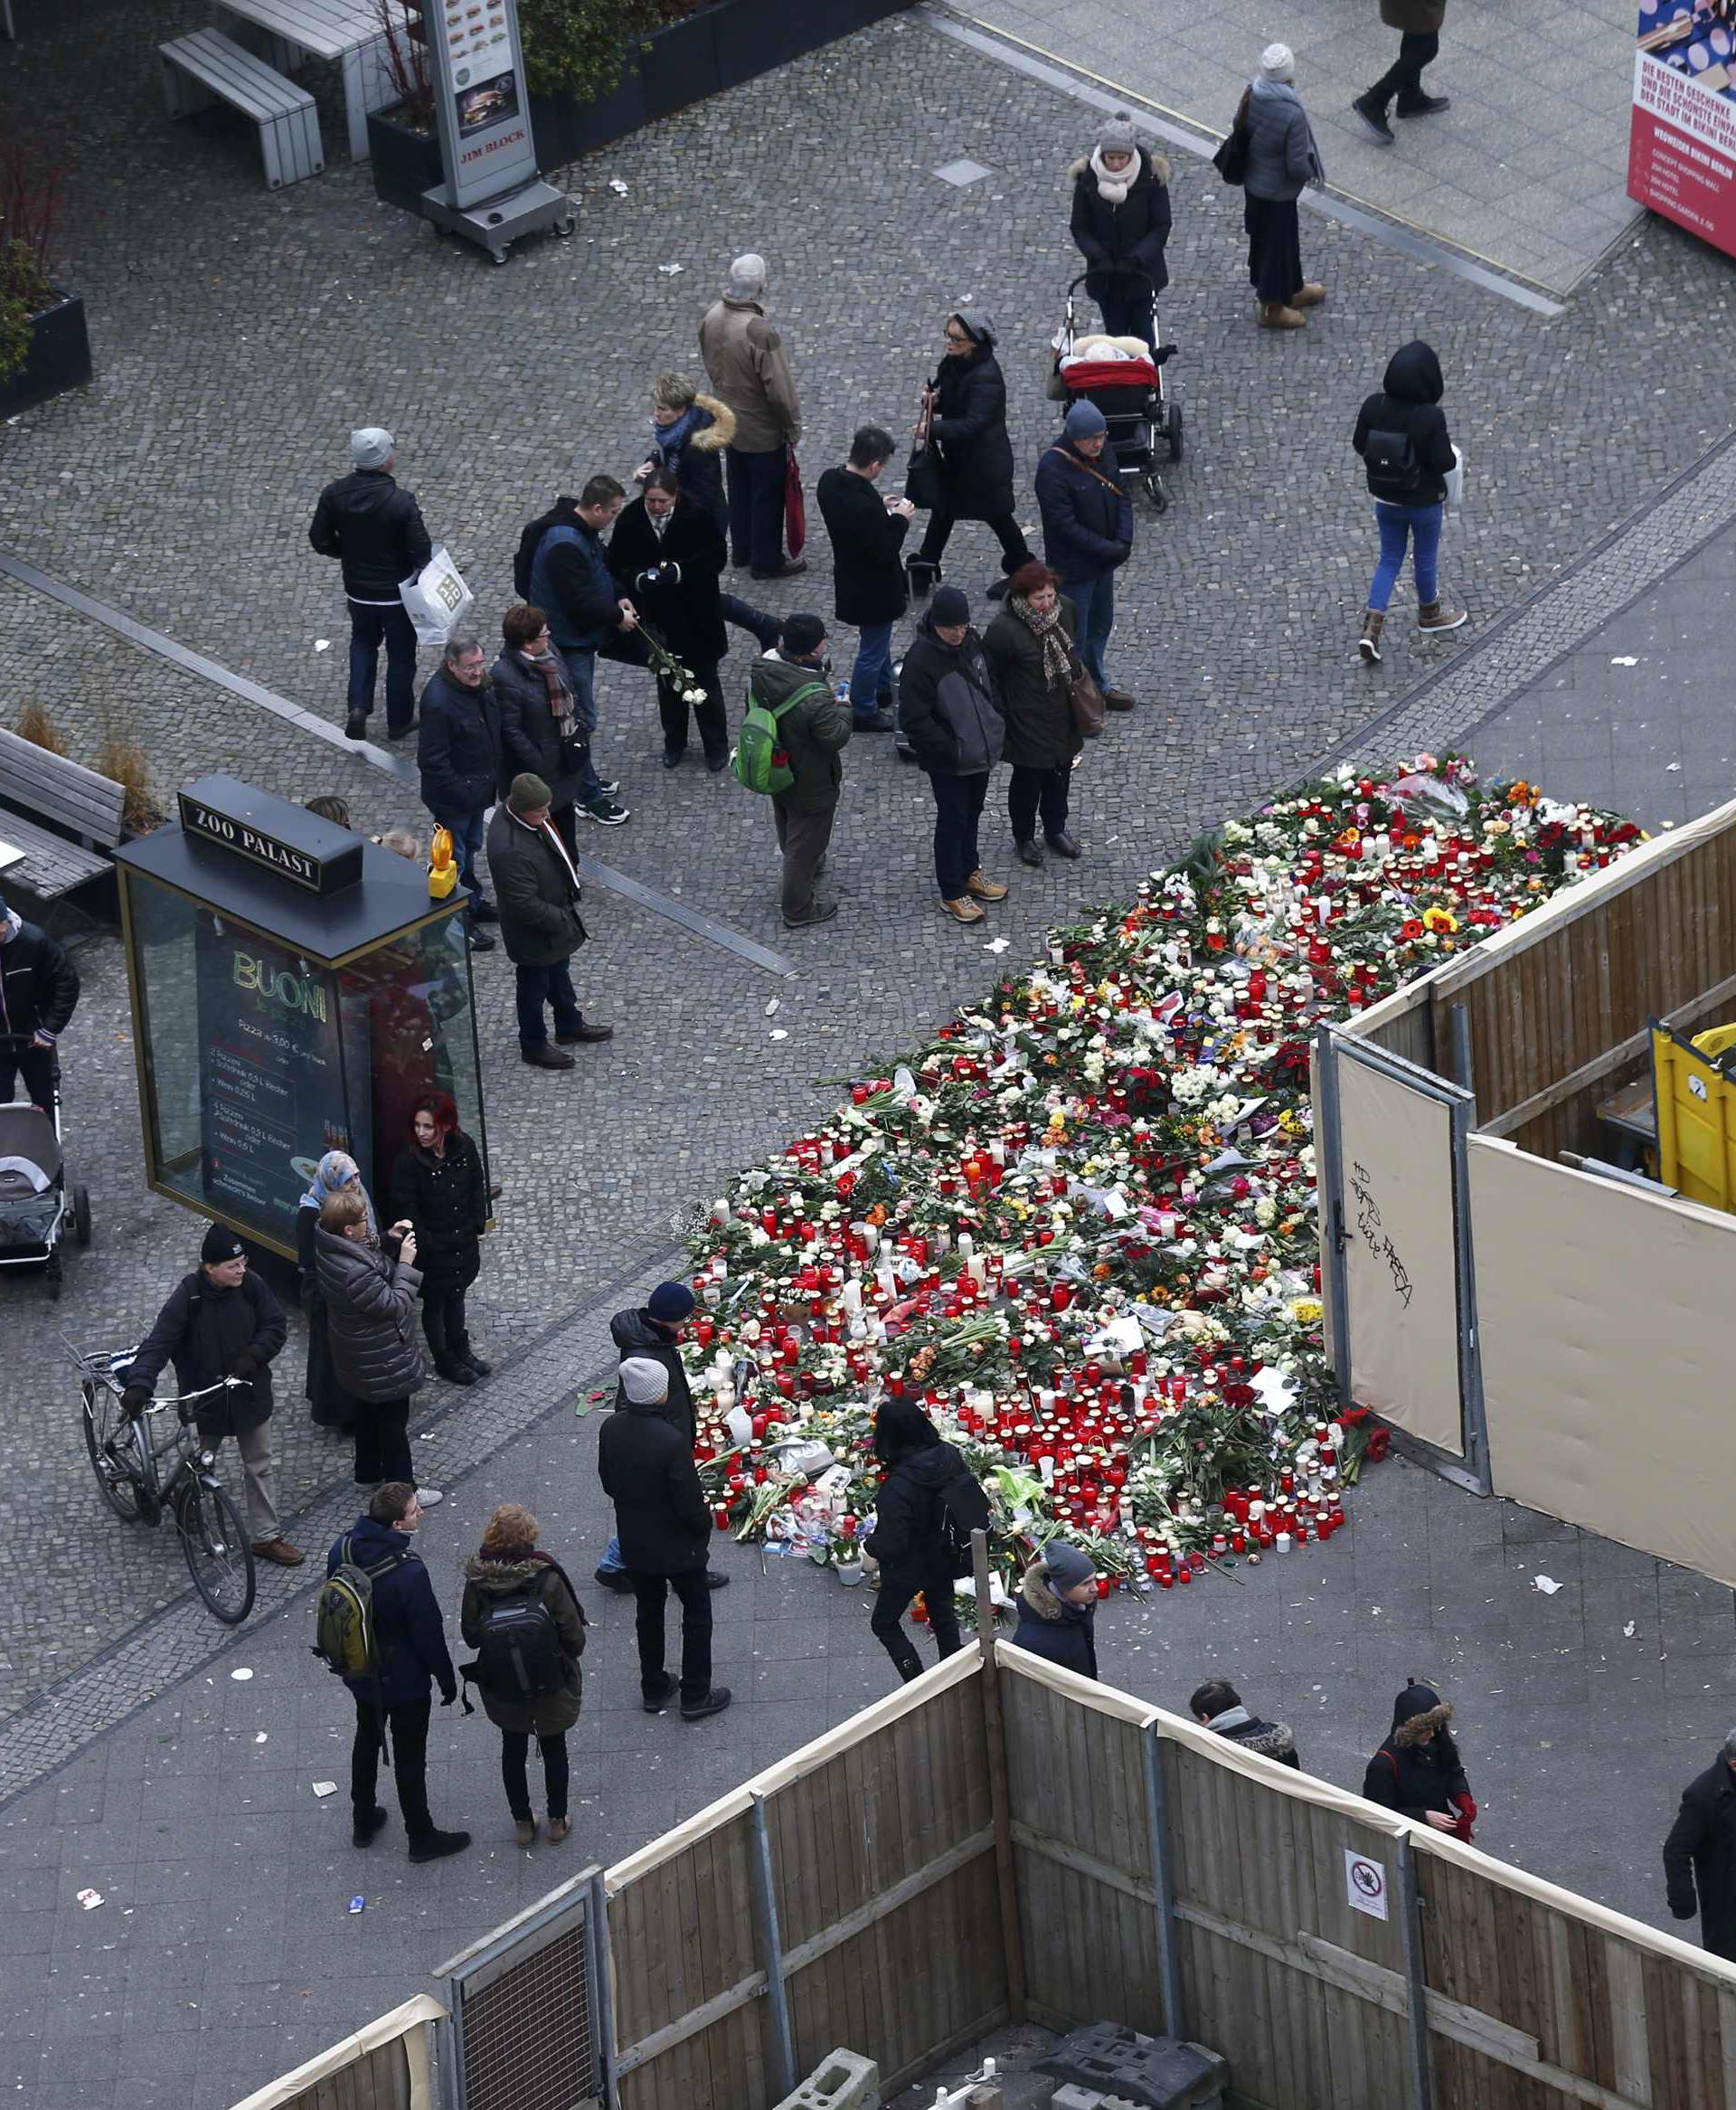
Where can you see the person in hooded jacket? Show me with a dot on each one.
(412, 1657)
(924, 1478)
(439, 1189)
(332, 1407)
(1030, 648)
(950, 711)
(668, 556)
(1217, 1706)
(1700, 1853)
(1283, 160)
(511, 1565)
(375, 531)
(1058, 1609)
(222, 1321)
(1120, 226)
(1087, 533)
(964, 413)
(1418, 1771)
(1402, 436)
(690, 433)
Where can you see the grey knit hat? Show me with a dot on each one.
(372, 447)
(1065, 1567)
(1278, 62)
(1117, 136)
(1083, 420)
(645, 1382)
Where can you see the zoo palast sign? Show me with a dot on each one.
(285, 838)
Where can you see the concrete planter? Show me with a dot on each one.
(59, 357)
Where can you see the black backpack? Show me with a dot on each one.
(964, 1509)
(518, 1649)
(1394, 472)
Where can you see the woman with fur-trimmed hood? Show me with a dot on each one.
(1120, 225)
(689, 432)
(1058, 1609)
(1418, 1771)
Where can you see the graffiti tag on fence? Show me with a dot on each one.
(1373, 1233)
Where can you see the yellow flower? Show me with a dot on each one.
(1438, 919)
(1306, 1310)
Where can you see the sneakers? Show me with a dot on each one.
(355, 726)
(279, 1552)
(616, 1579)
(1369, 644)
(713, 1703)
(822, 911)
(606, 811)
(981, 889)
(434, 1846)
(1435, 615)
(608, 786)
(429, 1498)
(368, 1826)
(963, 910)
(480, 941)
(1425, 106)
(1274, 315)
(585, 1032)
(544, 1057)
(654, 1703)
(1373, 117)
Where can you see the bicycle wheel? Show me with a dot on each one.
(118, 1455)
(220, 1556)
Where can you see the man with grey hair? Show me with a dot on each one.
(1700, 1854)
(750, 370)
(375, 531)
(458, 753)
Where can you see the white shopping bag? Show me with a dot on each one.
(436, 598)
(1455, 478)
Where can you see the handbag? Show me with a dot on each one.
(1087, 701)
(923, 479)
(795, 506)
(1230, 160)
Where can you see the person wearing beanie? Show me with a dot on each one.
(1417, 23)
(1058, 1609)
(964, 424)
(1086, 534)
(38, 992)
(814, 724)
(375, 531)
(749, 372)
(1030, 646)
(867, 530)
(1418, 1771)
(1408, 453)
(929, 1506)
(950, 711)
(222, 1321)
(663, 1529)
(536, 886)
(1700, 1854)
(1120, 226)
(1283, 160)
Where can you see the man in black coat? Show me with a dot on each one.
(458, 753)
(965, 410)
(867, 532)
(539, 919)
(411, 1656)
(1120, 226)
(1217, 1706)
(668, 556)
(375, 531)
(220, 1322)
(38, 992)
(1700, 1854)
(648, 1470)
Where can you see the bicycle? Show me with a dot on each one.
(129, 1468)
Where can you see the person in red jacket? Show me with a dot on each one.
(1418, 1771)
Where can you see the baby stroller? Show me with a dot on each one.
(1130, 393)
(34, 1202)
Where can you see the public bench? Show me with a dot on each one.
(91, 806)
(206, 66)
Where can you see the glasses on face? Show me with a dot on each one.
(474, 666)
(958, 337)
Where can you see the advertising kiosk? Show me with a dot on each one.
(293, 991)
(1682, 153)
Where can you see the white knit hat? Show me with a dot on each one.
(643, 1381)
(1278, 62)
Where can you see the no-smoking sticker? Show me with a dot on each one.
(1364, 1885)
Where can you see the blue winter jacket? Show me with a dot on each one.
(1086, 514)
(571, 583)
(407, 1624)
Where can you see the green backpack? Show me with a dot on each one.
(344, 1635)
(759, 761)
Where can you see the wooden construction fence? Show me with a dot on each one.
(384, 2067)
(1546, 1016)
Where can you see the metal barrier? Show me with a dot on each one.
(498, 2050)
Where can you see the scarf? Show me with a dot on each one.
(668, 440)
(335, 1169)
(1057, 659)
(1111, 188)
(554, 675)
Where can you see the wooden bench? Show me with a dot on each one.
(74, 797)
(206, 67)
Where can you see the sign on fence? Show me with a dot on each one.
(1364, 1885)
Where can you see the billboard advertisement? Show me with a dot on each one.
(1682, 152)
(482, 101)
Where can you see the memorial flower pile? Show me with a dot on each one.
(1080, 1225)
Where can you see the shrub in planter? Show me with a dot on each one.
(403, 144)
(44, 349)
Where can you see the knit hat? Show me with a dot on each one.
(526, 794)
(1065, 1567)
(748, 276)
(372, 447)
(803, 634)
(645, 1382)
(220, 1244)
(671, 1303)
(976, 322)
(1083, 420)
(1278, 62)
(1117, 136)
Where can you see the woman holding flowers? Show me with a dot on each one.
(668, 556)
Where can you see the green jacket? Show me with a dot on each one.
(814, 732)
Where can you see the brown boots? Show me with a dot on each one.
(1432, 615)
(1435, 615)
(1285, 315)
(1369, 644)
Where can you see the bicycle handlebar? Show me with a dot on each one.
(156, 1405)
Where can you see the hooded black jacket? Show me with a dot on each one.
(375, 531)
(648, 1470)
(949, 708)
(203, 1329)
(1417, 1768)
(1270, 1739)
(1051, 1628)
(969, 427)
(1700, 1858)
(39, 985)
(907, 1535)
(636, 1333)
(1408, 400)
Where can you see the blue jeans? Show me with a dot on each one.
(1421, 525)
(537, 986)
(582, 674)
(466, 845)
(1094, 600)
(870, 678)
(370, 626)
(611, 1563)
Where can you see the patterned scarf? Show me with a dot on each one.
(554, 675)
(1057, 656)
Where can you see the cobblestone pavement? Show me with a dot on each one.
(1528, 169)
(239, 339)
